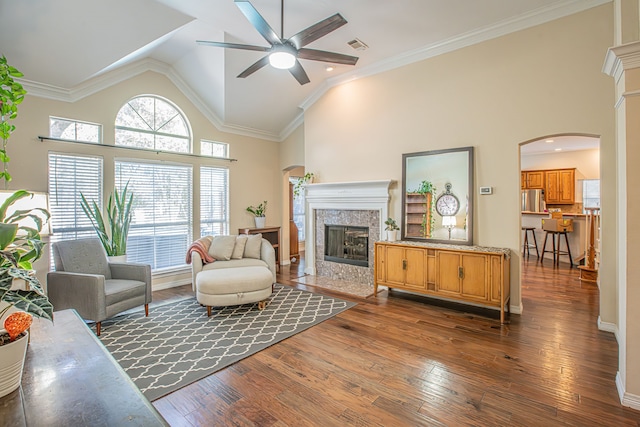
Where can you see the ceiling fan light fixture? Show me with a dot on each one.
(282, 60)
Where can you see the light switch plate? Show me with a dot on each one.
(486, 190)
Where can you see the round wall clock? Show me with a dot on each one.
(447, 203)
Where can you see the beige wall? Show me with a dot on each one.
(587, 162)
(253, 178)
(546, 80)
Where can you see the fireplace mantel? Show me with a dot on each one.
(358, 195)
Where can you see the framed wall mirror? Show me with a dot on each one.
(437, 196)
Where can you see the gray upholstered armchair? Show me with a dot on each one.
(97, 289)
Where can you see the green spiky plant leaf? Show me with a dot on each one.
(113, 229)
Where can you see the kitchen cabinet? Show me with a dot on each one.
(560, 186)
(530, 180)
(477, 275)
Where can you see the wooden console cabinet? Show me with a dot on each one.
(476, 275)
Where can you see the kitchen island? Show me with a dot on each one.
(576, 237)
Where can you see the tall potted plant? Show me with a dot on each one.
(20, 246)
(113, 231)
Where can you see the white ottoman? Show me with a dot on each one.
(234, 286)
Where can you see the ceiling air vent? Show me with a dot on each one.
(358, 44)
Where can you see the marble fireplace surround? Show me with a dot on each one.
(342, 196)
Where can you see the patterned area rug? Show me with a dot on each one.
(178, 344)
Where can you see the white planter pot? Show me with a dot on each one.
(260, 221)
(12, 357)
(118, 258)
(392, 235)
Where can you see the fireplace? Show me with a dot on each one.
(346, 244)
(363, 204)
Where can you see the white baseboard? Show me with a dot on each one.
(608, 327)
(627, 399)
(172, 284)
(515, 309)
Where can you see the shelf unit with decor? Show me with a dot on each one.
(271, 234)
(418, 214)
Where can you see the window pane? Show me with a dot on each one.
(168, 143)
(70, 176)
(162, 212)
(214, 201)
(73, 130)
(214, 149)
(153, 123)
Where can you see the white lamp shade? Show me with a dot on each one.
(449, 221)
(282, 60)
(37, 200)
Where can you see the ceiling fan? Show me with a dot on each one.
(284, 53)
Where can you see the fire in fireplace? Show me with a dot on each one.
(346, 244)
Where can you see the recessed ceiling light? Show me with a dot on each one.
(558, 149)
(329, 68)
(549, 141)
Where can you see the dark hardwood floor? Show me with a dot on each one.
(398, 361)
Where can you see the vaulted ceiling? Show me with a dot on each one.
(68, 49)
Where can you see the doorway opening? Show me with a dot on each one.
(559, 174)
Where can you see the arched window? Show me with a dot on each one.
(153, 123)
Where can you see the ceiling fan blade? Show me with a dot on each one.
(298, 72)
(233, 45)
(318, 30)
(258, 21)
(321, 55)
(255, 67)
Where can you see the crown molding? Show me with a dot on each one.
(118, 75)
(621, 58)
(522, 22)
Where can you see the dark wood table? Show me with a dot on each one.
(70, 379)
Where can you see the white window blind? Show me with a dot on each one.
(70, 175)
(162, 212)
(214, 201)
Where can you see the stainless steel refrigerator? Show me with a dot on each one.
(533, 201)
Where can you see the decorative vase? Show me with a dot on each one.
(12, 357)
(392, 235)
(260, 221)
(118, 258)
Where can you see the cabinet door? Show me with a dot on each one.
(447, 277)
(474, 276)
(552, 194)
(567, 186)
(381, 274)
(535, 179)
(395, 265)
(415, 273)
(495, 277)
(523, 180)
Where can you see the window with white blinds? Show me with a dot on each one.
(214, 201)
(162, 212)
(69, 176)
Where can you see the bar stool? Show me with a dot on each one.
(526, 246)
(556, 238)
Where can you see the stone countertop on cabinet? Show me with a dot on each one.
(472, 248)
